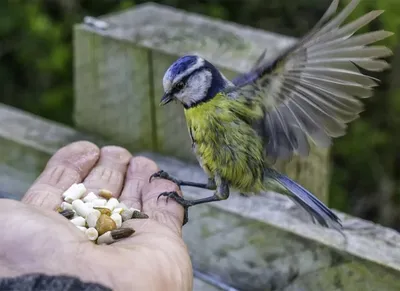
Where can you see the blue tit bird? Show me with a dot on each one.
(310, 91)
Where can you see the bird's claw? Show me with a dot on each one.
(158, 174)
(164, 175)
(180, 200)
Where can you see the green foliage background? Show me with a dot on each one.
(36, 75)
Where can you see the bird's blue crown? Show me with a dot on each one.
(182, 67)
(182, 64)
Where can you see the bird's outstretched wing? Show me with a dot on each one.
(313, 88)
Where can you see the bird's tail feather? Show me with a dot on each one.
(307, 201)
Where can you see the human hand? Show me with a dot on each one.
(36, 239)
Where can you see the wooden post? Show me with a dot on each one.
(119, 71)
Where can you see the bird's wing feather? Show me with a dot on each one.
(313, 88)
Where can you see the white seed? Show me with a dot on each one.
(90, 197)
(89, 204)
(117, 219)
(112, 203)
(81, 208)
(81, 228)
(78, 221)
(92, 218)
(115, 235)
(127, 214)
(70, 190)
(66, 205)
(122, 205)
(105, 238)
(91, 233)
(118, 210)
(99, 202)
(74, 192)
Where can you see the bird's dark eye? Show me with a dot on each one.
(179, 86)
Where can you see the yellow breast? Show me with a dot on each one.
(225, 142)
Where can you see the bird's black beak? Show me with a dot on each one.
(166, 99)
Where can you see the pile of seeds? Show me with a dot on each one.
(99, 216)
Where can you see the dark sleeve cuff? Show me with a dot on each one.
(40, 282)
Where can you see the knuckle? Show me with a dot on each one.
(164, 185)
(140, 163)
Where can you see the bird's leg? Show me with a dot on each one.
(210, 185)
(221, 193)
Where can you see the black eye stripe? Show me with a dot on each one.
(176, 88)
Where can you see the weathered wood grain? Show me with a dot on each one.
(119, 71)
(257, 243)
(112, 88)
(269, 244)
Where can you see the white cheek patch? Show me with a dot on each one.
(196, 88)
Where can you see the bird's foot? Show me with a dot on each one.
(180, 200)
(164, 175)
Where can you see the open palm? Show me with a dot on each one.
(36, 239)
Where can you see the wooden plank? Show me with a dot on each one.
(347, 277)
(267, 242)
(199, 285)
(257, 243)
(112, 89)
(146, 40)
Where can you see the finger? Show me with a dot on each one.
(139, 171)
(141, 194)
(67, 166)
(109, 171)
(168, 212)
